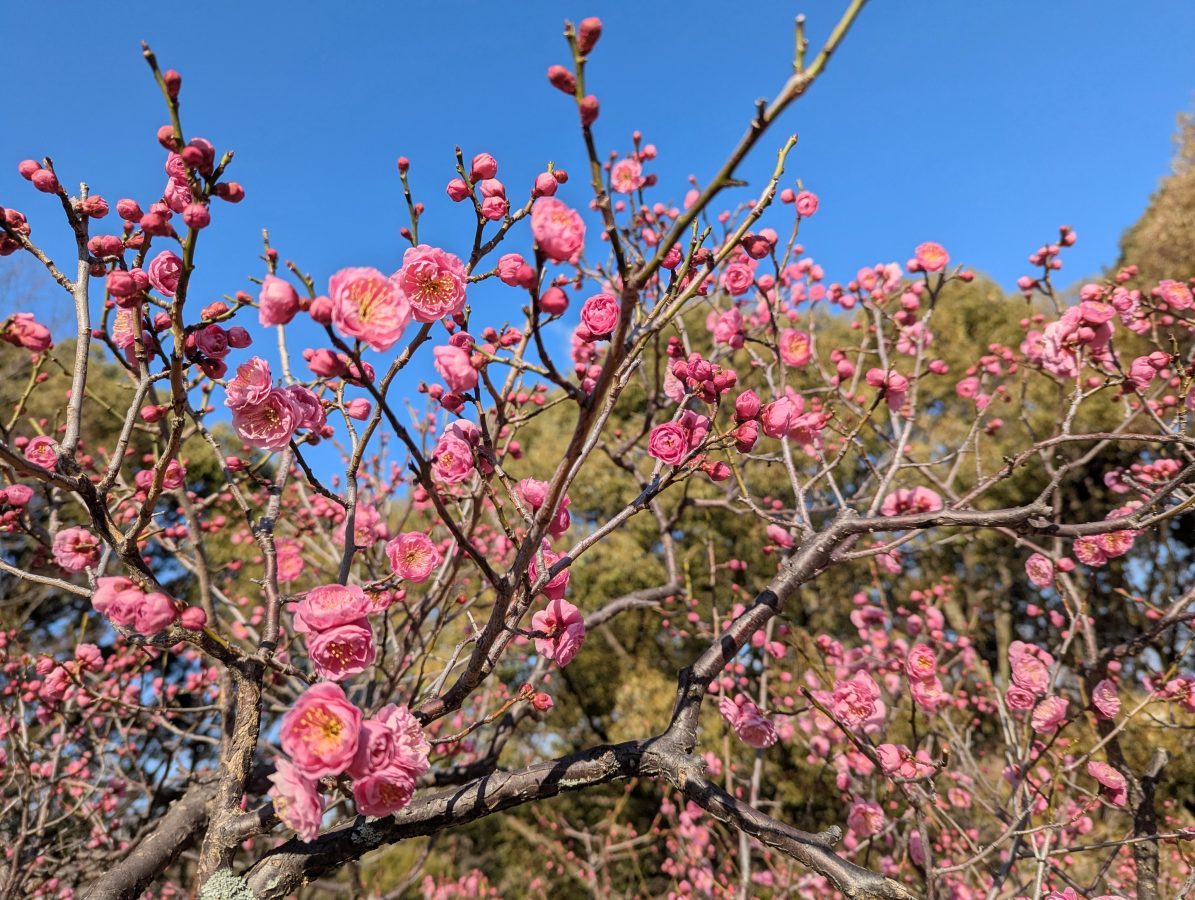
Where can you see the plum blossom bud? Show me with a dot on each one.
(494, 208)
(193, 618)
(197, 216)
(562, 79)
(129, 210)
(588, 33)
(483, 167)
(45, 181)
(545, 185)
(27, 167)
(94, 207)
(174, 81)
(152, 413)
(554, 301)
(458, 190)
(590, 108)
(230, 191)
(403, 164)
(746, 406)
(238, 337)
(321, 310)
(541, 701)
(166, 137)
(358, 408)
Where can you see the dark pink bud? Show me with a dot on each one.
(193, 617)
(230, 191)
(166, 137)
(173, 80)
(589, 110)
(554, 301)
(542, 701)
(197, 216)
(129, 210)
(588, 33)
(152, 413)
(94, 207)
(484, 166)
(458, 190)
(45, 181)
(562, 79)
(27, 167)
(403, 164)
(746, 435)
(321, 310)
(545, 185)
(239, 338)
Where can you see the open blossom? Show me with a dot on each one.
(1049, 714)
(413, 556)
(932, 257)
(565, 629)
(599, 314)
(1105, 699)
(865, 818)
(557, 585)
(626, 176)
(383, 792)
(164, 272)
(899, 761)
(1113, 783)
(456, 368)
(342, 651)
(558, 230)
(433, 281)
(795, 348)
(393, 737)
(269, 424)
(452, 460)
(297, 802)
(894, 385)
(76, 549)
(369, 306)
(22, 330)
(748, 721)
(921, 663)
(42, 451)
(916, 500)
(319, 733)
(277, 303)
(928, 693)
(329, 606)
(854, 702)
(1040, 570)
(533, 493)
(252, 383)
(668, 443)
(1030, 674)
(738, 276)
(309, 411)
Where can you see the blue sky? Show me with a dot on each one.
(981, 125)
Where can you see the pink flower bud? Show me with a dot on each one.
(358, 408)
(588, 33)
(45, 181)
(197, 216)
(27, 167)
(321, 310)
(166, 137)
(238, 338)
(484, 166)
(174, 82)
(129, 210)
(545, 185)
(230, 191)
(193, 618)
(458, 190)
(562, 79)
(554, 301)
(403, 164)
(541, 701)
(589, 110)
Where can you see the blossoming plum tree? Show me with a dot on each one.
(260, 674)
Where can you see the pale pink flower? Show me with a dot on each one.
(383, 792)
(932, 257)
(342, 651)
(1087, 550)
(1112, 781)
(748, 721)
(928, 693)
(297, 802)
(904, 501)
(565, 629)
(854, 702)
(1176, 294)
(76, 549)
(795, 348)
(269, 424)
(865, 818)
(413, 556)
(456, 368)
(921, 663)
(290, 559)
(452, 460)
(22, 330)
(626, 176)
(42, 451)
(393, 737)
(277, 303)
(433, 281)
(1029, 673)
(1105, 699)
(1040, 570)
(319, 733)
(1049, 714)
(369, 306)
(329, 606)
(309, 410)
(252, 383)
(155, 612)
(558, 230)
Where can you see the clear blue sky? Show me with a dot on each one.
(981, 125)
